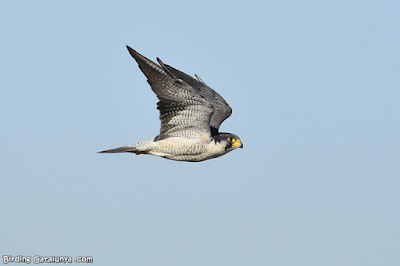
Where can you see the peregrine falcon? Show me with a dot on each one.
(190, 113)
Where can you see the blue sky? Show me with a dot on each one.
(314, 87)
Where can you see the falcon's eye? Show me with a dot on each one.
(229, 139)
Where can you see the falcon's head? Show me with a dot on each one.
(229, 140)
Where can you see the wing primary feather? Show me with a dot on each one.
(165, 68)
(199, 79)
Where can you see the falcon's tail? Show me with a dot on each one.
(141, 147)
(128, 148)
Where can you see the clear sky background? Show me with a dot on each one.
(315, 92)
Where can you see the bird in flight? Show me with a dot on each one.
(190, 113)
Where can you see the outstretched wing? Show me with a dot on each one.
(222, 110)
(183, 111)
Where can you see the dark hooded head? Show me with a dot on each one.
(231, 141)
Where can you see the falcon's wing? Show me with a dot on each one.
(222, 110)
(183, 111)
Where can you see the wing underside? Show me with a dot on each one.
(183, 111)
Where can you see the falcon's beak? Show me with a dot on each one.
(237, 144)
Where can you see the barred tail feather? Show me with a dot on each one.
(140, 147)
(129, 148)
